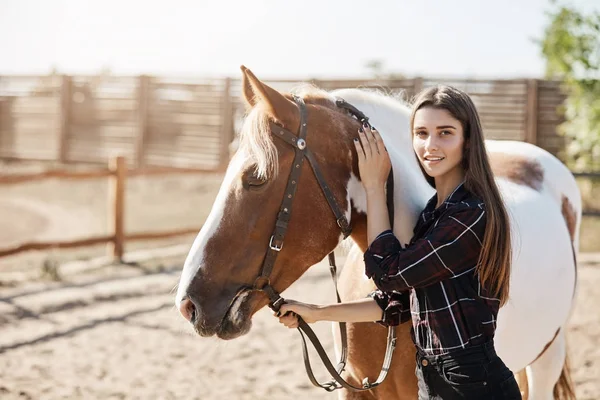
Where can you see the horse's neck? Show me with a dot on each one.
(411, 190)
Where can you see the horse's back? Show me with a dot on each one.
(544, 205)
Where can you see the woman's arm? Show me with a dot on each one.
(378, 220)
(363, 310)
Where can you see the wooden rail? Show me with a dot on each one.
(60, 174)
(92, 241)
(118, 174)
(164, 121)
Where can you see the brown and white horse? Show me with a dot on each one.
(540, 192)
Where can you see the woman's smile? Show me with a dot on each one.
(433, 160)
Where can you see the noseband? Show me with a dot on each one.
(263, 283)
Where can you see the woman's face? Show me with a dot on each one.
(438, 140)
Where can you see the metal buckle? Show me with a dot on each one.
(277, 303)
(342, 222)
(366, 384)
(274, 247)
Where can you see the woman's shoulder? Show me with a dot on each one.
(471, 200)
(468, 207)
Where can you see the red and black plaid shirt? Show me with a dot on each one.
(435, 273)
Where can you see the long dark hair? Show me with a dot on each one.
(495, 258)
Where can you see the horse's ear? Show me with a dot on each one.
(247, 91)
(276, 104)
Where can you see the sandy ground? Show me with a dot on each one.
(113, 333)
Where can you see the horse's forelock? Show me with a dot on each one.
(256, 140)
(257, 143)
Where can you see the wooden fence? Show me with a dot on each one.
(155, 121)
(118, 173)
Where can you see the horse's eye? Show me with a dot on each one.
(252, 181)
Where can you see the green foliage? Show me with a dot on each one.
(377, 71)
(571, 47)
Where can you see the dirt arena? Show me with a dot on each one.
(71, 330)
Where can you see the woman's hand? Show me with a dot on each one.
(289, 312)
(373, 159)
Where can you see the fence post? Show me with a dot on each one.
(116, 205)
(417, 87)
(143, 101)
(226, 125)
(66, 98)
(531, 111)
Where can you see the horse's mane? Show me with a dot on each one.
(384, 108)
(257, 144)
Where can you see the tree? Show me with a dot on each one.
(571, 47)
(377, 70)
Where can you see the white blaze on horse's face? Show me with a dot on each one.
(196, 254)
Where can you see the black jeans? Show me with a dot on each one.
(472, 373)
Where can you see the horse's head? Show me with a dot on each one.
(216, 288)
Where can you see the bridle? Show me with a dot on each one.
(263, 283)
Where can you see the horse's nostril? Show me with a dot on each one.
(187, 309)
(193, 316)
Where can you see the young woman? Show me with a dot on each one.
(453, 276)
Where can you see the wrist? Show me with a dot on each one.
(320, 313)
(374, 188)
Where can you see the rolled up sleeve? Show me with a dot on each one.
(385, 244)
(395, 307)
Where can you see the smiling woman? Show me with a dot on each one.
(438, 141)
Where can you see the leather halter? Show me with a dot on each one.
(262, 282)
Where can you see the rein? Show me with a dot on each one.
(263, 283)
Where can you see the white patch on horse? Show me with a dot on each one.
(357, 194)
(195, 256)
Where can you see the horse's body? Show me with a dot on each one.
(540, 192)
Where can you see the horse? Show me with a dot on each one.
(217, 290)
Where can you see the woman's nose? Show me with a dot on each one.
(431, 144)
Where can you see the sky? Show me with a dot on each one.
(276, 39)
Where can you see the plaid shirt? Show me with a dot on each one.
(435, 274)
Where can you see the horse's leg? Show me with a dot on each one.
(367, 342)
(548, 376)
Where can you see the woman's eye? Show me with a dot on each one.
(444, 133)
(420, 133)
